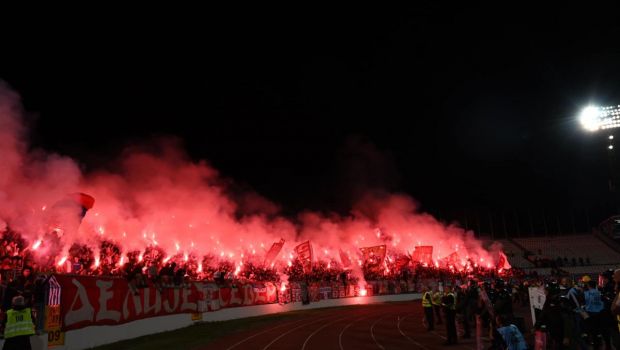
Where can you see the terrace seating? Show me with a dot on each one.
(579, 246)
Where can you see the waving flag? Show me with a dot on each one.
(304, 254)
(273, 252)
(374, 255)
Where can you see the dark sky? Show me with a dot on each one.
(459, 107)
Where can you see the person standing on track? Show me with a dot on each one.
(449, 305)
(18, 325)
(508, 335)
(427, 305)
(437, 295)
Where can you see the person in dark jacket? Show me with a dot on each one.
(448, 302)
(555, 316)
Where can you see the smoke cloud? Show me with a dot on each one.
(161, 197)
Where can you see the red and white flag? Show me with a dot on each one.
(503, 262)
(273, 252)
(304, 254)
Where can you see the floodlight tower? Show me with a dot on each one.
(594, 118)
(603, 119)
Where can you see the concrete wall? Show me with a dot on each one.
(89, 337)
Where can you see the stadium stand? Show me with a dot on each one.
(514, 253)
(592, 253)
(587, 247)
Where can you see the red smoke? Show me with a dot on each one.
(163, 198)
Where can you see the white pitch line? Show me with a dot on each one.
(283, 334)
(315, 332)
(406, 336)
(346, 327)
(372, 333)
(458, 344)
(263, 332)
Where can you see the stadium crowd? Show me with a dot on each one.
(575, 315)
(581, 314)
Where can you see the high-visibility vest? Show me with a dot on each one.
(18, 323)
(437, 299)
(426, 300)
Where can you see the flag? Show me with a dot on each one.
(423, 254)
(81, 201)
(374, 256)
(344, 258)
(401, 261)
(503, 262)
(304, 254)
(452, 259)
(273, 252)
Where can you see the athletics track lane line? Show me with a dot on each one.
(368, 315)
(290, 331)
(319, 329)
(406, 336)
(265, 331)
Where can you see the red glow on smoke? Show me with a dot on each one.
(161, 198)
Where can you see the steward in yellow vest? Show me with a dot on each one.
(427, 305)
(19, 326)
(427, 299)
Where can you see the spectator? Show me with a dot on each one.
(509, 335)
(594, 306)
(76, 266)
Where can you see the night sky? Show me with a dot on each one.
(462, 108)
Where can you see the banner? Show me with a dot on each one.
(88, 301)
(52, 317)
(273, 252)
(304, 254)
(91, 301)
(239, 294)
(373, 256)
(537, 300)
(423, 254)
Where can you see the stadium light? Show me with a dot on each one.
(593, 118)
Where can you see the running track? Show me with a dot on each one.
(376, 326)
